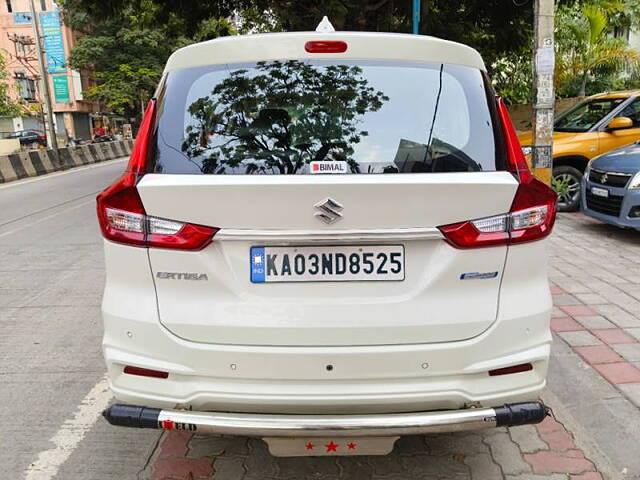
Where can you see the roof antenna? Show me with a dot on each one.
(325, 26)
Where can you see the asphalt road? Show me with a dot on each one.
(52, 384)
(51, 278)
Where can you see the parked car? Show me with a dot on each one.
(611, 187)
(594, 126)
(30, 138)
(326, 240)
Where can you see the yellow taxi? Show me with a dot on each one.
(594, 126)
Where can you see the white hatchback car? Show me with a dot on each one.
(326, 240)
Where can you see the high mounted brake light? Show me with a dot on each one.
(122, 216)
(532, 213)
(326, 46)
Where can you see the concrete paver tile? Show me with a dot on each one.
(596, 321)
(565, 324)
(591, 298)
(576, 310)
(527, 438)
(579, 339)
(613, 336)
(634, 332)
(548, 462)
(632, 391)
(506, 454)
(621, 372)
(629, 351)
(533, 476)
(586, 476)
(482, 467)
(565, 300)
(593, 354)
(617, 315)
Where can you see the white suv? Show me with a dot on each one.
(326, 235)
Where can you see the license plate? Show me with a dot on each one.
(600, 192)
(319, 447)
(327, 263)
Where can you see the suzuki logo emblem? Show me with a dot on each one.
(328, 210)
(604, 178)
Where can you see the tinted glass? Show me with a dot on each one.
(279, 117)
(585, 115)
(632, 111)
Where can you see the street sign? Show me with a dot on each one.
(22, 17)
(61, 89)
(53, 42)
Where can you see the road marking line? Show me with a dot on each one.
(45, 218)
(70, 434)
(24, 181)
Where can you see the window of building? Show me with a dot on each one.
(26, 86)
(43, 5)
(24, 46)
(9, 7)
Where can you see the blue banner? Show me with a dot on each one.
(53, 42)
(22, 17)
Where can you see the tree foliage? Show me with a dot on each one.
(8, 106)
(586, 49)
(495, 27)
(281, 116)
(128, 42)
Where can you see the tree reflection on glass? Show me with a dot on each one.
(280, 116)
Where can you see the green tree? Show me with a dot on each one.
(585, 48)
(495, 27)
(126, 43)
(8, 106)
(281, 116)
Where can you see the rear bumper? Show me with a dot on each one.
(373, 379)
(261, 425)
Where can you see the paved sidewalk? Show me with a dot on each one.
(595, 275)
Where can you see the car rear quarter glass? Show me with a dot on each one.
(278, 117)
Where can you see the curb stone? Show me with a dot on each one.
(40, 162)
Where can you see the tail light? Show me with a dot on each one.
(532, 212)
(523, 367)
(145, 372)
(326, 46)
(42, 137)
(122, 216)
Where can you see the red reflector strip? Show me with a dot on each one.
(524, 367)
(145, 372)
(328, 46)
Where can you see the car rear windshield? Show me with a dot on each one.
(294, 116)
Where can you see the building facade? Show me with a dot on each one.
(74, 116)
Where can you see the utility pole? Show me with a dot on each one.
(416, 17)
(544, 97)
(52, 140)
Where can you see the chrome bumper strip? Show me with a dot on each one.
(268, 425)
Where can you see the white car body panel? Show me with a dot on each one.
(361, 46)
(424, 308)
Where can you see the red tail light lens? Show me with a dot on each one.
(532, 213)
(328, 46)
(531, 217)
(140, 152)
(145, 372)
(523, 367)
(517, 163)
(122, 216)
